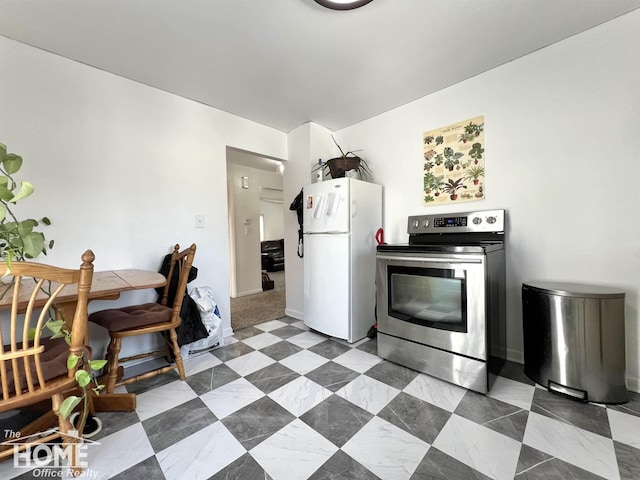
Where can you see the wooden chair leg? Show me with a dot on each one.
(168, 345)
(176, 352)
(113, 351)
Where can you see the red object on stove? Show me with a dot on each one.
(380, 236)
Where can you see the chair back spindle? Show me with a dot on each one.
(34, 289)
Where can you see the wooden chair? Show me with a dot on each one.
(33, 368)
(148, 318)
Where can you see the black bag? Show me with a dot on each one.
(191, 329)
(296, 205)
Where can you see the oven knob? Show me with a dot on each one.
(477, 220)
(425, 224)
(416, 223)
(491, 219)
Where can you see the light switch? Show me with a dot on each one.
(199, 221)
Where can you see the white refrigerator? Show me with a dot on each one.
(341, 217)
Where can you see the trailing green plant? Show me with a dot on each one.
(18, 239)
(19, 242)
(84, 374)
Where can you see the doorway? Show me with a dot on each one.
(256, 220)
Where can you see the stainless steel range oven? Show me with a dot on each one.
(441, 298)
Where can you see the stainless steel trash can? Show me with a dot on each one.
(574, 340)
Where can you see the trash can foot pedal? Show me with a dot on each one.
(576, 393)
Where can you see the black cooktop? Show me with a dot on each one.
(477, 242)
(474, 247)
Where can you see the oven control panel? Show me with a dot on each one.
(439, 222)
(467, 222)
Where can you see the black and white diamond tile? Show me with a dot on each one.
(280, 402)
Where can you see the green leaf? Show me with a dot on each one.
(25, 227)
(3, 152)
(83, 378)
(97, 364)
(68, 405)
(59, 335)
(33, 244)
(72, 361)
(12, 163)
(32, 333)
(46, 220)
(3, 211)
(26, 189)
(55, 325)
(5, 193)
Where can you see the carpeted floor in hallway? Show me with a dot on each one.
(261, 307)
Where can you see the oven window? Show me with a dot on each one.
(428, 296)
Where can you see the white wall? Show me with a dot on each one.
(245, 208)
(562, 157)
(122, 168)
(272, 205)
(273, 218)
(245, 230)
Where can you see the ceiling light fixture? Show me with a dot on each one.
(342, 4)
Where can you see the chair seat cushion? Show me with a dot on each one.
(53, 361)
(134, 316)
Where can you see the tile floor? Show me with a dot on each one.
(283, 403)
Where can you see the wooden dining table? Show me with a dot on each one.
(106, 285)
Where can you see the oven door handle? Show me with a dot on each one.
(429, 259)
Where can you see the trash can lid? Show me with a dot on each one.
(575, 289)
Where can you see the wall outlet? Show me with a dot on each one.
(199, 221)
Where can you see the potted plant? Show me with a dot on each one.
(338, 166)
(18, 240)
(451, 158)
(474, 173)
(476, 152)
(452, 186)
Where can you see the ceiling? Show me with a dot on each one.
(282, 63)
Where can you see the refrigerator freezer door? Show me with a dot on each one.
(326, 208)
(327, 274)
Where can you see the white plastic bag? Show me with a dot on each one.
(210, 316)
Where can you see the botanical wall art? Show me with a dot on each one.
(454, 162)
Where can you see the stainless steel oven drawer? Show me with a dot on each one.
(463, 371)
